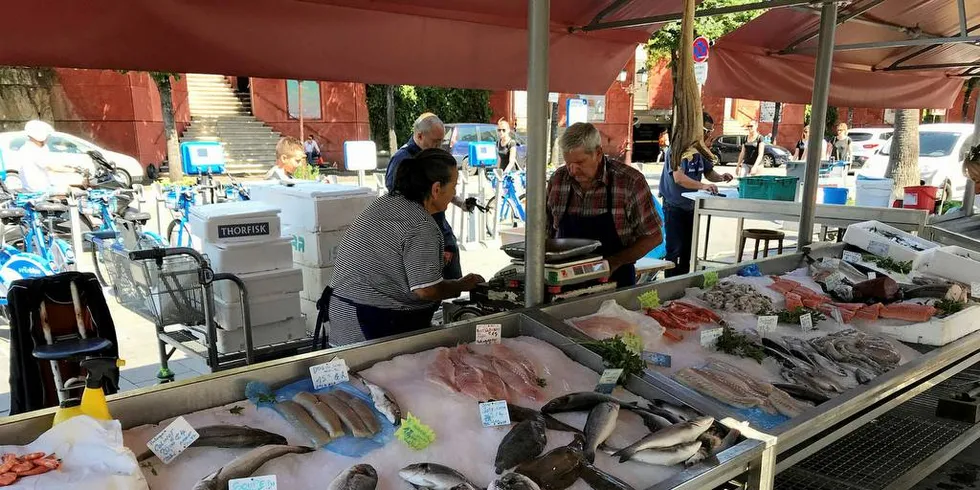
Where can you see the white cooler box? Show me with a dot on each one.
(314, 206)
(861, 236)
(263, 310)
(248, 257)
(273, 333)
(309, 310)
(314, 280)
(315, 249)
(952, 262)
(238, 221)
(261, 284)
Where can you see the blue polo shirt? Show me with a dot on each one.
(671, 191)
(409, 150)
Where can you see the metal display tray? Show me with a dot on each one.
(746, 460)
(556, 248)
(813, 430)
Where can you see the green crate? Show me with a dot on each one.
(768, 187)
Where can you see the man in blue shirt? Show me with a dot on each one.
(678, 178)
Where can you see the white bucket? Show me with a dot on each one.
(876, 193)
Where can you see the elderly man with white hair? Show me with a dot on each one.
(36, 164)
(597, 198)
(428, 132)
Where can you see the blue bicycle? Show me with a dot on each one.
(14, 263)
(118, 227)
(512, 203)
(180, 199)
(37, 225)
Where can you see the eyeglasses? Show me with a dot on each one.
(501, 130)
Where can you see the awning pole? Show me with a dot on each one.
(818, 121)
(969, 195)
(538, 21)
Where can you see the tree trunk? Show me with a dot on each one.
(553, 135)
(775, 122)
(673, 96)
(165, 87)
(850, 118)
(971, 84)
(903, 162)
(688, 138)
(392, 138)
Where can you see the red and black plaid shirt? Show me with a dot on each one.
(632, 206)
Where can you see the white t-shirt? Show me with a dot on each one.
(34, 176)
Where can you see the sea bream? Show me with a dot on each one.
(357, 477)
(667, 456)
(513, 481)
(434, 476)
(599, 426)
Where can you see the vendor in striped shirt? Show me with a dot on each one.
(388, 276)
(595, 197)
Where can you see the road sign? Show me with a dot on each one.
(701, 46)
(701, 72)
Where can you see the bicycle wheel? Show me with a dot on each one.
(101, 272)
(172, 234)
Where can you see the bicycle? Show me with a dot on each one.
(512, 203)
(119, 225)
(235, 191)
(179, 201)
(14, 263)
(38, 238)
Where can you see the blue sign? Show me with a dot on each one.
(483, 154)
(701, 45)
(202, 157)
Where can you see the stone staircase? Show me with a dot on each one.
(219, 114)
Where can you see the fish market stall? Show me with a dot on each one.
(963, 231)
(431, 376)
(738, 346)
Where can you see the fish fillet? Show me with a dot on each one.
(469, 381)
(786, 404)
(350, 418)
(601, 327)
(501, 351)
(909, 312)
(361, 409)
(495, 385)
(441, 370)
(793, 301)
(762, 388)
(517, 379)
(721, 393)
(737, 386)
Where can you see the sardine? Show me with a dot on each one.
(513, 481)
(801, 392)
(599, 426)
(321, 413)
(228, 436)
(600, 480)
(384, 401)
(671, 436)
(519, 414)
(357, 477)
(524, 442)
(557, 469)
(433, 475)
(581, 401)
(302, 421)
(668, 456)
(347, 415)
(246, 464)
(361, 409)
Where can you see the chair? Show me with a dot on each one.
(759, 236)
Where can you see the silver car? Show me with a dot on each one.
(71, 151)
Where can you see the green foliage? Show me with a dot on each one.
(665, 41)
(307, 172)
(450, 104)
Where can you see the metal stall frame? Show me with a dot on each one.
(151, 405)
(958, 229)
(821, 426)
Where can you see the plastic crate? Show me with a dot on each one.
(768, 187)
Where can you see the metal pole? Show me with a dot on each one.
(299, 106)
(538, 21)
(969, 195)
(818, 121)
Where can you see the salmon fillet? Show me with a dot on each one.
(793, 301)
(910, 312)
(871, 312)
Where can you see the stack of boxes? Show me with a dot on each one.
(316, 216)
(245, 239)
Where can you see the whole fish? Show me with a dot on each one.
(680, 413)
(581, 401)
(667, 456)
(599, 426)
(801, 392)
(557, 469)
(246, 464)
(433, 475)
(357, 477)
(321, 413)
(600, 480)
(228, 436)
(671, 436)
(816, 359)
(519, 414)
(513, 481)
(524, 442)
(384, 401)
(347, 415)
(711, 445)
(361, 409)
(298, 417)
(653, 421)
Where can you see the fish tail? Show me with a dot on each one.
(625, 454)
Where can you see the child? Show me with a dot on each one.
(290, 155)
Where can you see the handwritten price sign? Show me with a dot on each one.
(329, 374)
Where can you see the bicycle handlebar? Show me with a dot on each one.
(160, 253)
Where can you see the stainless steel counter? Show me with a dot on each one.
(959, 230)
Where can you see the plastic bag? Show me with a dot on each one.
(647, 328)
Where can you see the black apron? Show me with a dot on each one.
(603, 228)
(375, 322)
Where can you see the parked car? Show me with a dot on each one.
(728, 146)
(865, 142)
(460, 135)
(71, 151)
(942, 149)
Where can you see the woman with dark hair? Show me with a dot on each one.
(388, 271)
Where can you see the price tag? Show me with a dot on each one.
(835, 314)
(851, 256)
(608, 380)
(656, 358)
(173, 440)
(872, 275)
(267, 482)
(806, 322)
(488, 334)
(329, 374)
(975, 289)
(710, 336)
(494, 413)
(878, 248)
(766, 324)
(414, 433)
(834, 280)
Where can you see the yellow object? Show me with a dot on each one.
(649, 300)
(94, 404)
(68, 409)
(414, 433)
(93, 398)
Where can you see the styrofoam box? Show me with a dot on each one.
(861, 236)
(263, 310)
(248, 257)
(236, 221)
(259, 284)
(952, 262)
(314, 280)
(315, 249)
(274, 333)
(936, 332)
(310, 312)
(315, 207)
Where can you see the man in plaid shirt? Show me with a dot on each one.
(597, 198)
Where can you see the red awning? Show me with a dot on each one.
(747, 64)
(459, 43)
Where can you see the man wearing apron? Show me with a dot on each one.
(597, 198)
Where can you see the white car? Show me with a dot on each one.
(942, 149)
(865, 142)
(70, 150)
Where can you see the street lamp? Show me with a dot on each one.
(642, 75)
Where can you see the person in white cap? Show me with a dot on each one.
(36, 165)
